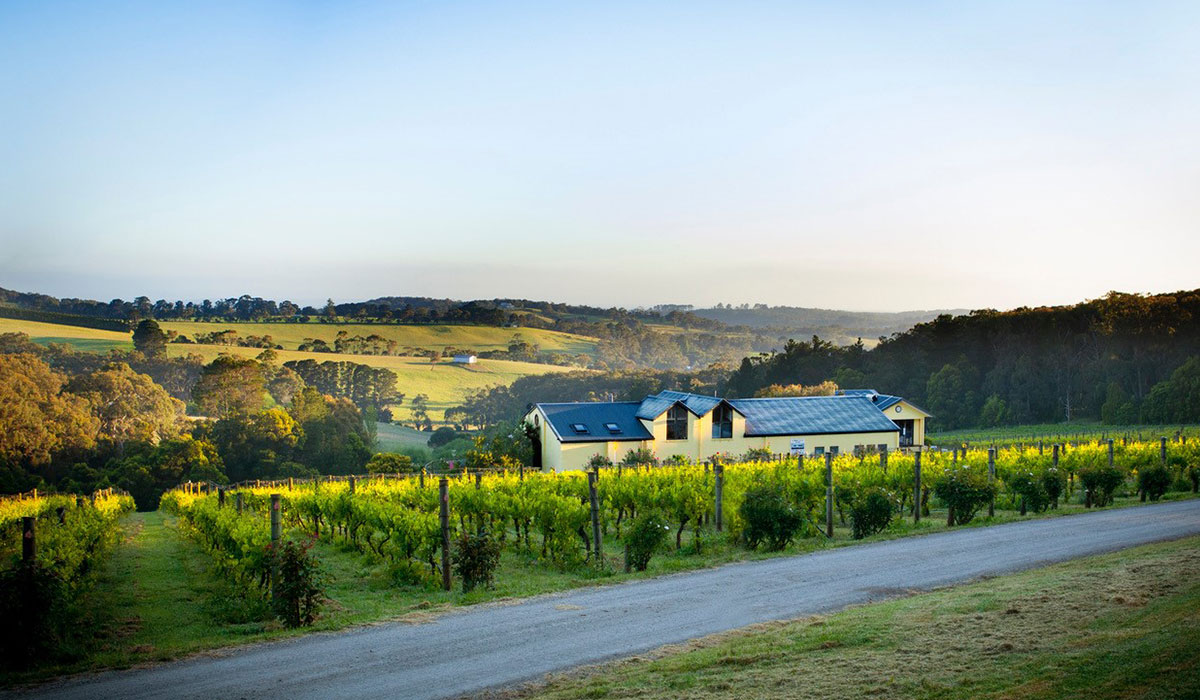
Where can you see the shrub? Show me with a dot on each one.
(299, 589)
(769, 517)
(638, 457)
(1154, 481)
(598, 461)
(757, 454)
(389, 463)
(476, 557)
(1100, 483)
(645, 535)
(1053, 483)
(871, 513)
(676, 460)
(964, 491)
(1031, 490)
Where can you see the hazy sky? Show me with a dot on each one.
(861, 155)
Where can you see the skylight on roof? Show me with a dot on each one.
(613, 428)
(579, 428)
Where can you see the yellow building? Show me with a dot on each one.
(697, 427)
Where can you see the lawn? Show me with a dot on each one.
(82, 339)
(390, 437)
(477, 338)
(1123, 625)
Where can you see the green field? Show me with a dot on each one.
(446, 383)
(390, 437)
(477, 338)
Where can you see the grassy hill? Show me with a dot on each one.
(445, 383)
(434, 337)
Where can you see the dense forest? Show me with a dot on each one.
(1123, 358)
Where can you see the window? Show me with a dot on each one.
(579, 428)
(819, 451)
(677, 420)
(834, 450)
(722, 421)
(613, 428)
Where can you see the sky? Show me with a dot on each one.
(855, 155)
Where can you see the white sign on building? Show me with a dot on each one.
(797, 446)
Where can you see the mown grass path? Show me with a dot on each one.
(495, 645)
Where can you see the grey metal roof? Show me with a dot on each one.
(884, 401)
(812, 415)
(594, 415)
(654, 405)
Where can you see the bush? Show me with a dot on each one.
(645, 535)
(638, 457)
(1053, 483)
(476, 557)
(769, 517)
(598, 461)
(389, 463)
(757, 454)
(1154, 481)
(676, 461)
(1100, 483)
(299, 589)
(1032, 491)
(871, 513)
(964, 491)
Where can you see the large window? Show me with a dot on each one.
(677, 420)
(722, 421)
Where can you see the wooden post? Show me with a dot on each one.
(444, 518)
(521, 472)
(917, 487)
(992, 480)
(478, 480)
(595, 506)
(1162, 451)
(221, 498)
(1110, 453)
(276, 532)
(62, 514)
(239, 502)
(351, 481)
(883, 460)
(719, 494)
(28, 541)
(291, 483)
(421, 478)
(829, 494)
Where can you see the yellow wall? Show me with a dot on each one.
(906, 411)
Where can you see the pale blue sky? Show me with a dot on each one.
(862, 155)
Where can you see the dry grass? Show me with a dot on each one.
(1120, 625)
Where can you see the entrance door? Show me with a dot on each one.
(906, 432)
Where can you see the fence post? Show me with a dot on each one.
(276, 531)
(1162, 451)
(444, 518)
(917, 487)
(478, 480)
(221, 497)
(521, 472)
(829, 494)
(352, 484)
(238, 501)
(28, 541)
(992, 480)
(62, 514)
(421, 478)
(595, 507)
(1110, 453)
(883, 460)
(719, 494)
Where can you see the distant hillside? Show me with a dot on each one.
(830, 324)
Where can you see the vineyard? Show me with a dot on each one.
(49, 548)
(578, 520)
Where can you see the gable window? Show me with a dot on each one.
(677, 420)
(722, 421)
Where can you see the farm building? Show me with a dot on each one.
(465, 359)
(698, 427)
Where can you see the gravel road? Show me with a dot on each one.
(495, 645)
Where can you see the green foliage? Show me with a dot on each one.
(1100, 481)
(444, 435)
(475, 558)
(389, 463)
(149, 339)
(964, 489)
(598, 461)
(870, 513)
(1054, 481)
(994, 412)
(34, 606)
(1176, 400)
(769, 517)
(638, 457)
(949, 395)
(1032, 490)
(646, 534)
(298, 591)
(230, 385)
(1154, 481)
(757, 454)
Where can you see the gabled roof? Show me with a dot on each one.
(882, 401)
(655, 405)
(812, 415)
(594, 417)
